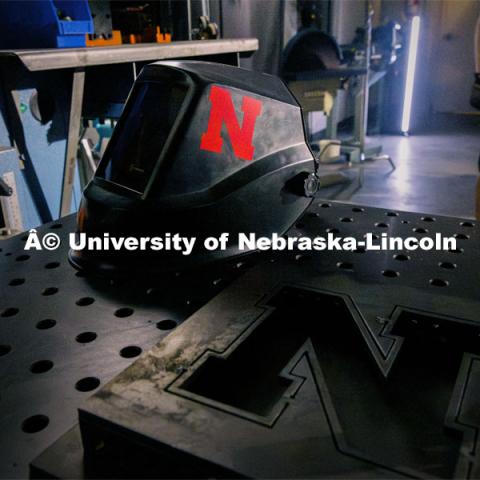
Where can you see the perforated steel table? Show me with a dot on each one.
(63, 335)
(250, 395)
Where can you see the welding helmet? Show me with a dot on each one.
(200, 149)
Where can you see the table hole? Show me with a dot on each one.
(35, 423)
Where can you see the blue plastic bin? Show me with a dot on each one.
(44, 23)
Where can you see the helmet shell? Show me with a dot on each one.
(200, 149)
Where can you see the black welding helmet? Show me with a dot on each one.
(200, 149)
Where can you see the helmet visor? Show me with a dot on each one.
(142, 132)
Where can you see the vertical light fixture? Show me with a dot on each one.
(410, 77)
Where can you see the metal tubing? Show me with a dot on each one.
(72, 140)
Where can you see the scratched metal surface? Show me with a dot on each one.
(62, 336)
(331, 364)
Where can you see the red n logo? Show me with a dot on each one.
(223, 111)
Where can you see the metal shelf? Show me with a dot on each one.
(55, 58)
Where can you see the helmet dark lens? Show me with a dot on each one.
(140, 137)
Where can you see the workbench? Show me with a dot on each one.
(36, 60)
(290, 364)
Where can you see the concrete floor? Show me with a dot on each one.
(437, 170)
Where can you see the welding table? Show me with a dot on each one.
(269, 378)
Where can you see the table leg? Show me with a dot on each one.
(72, 140)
